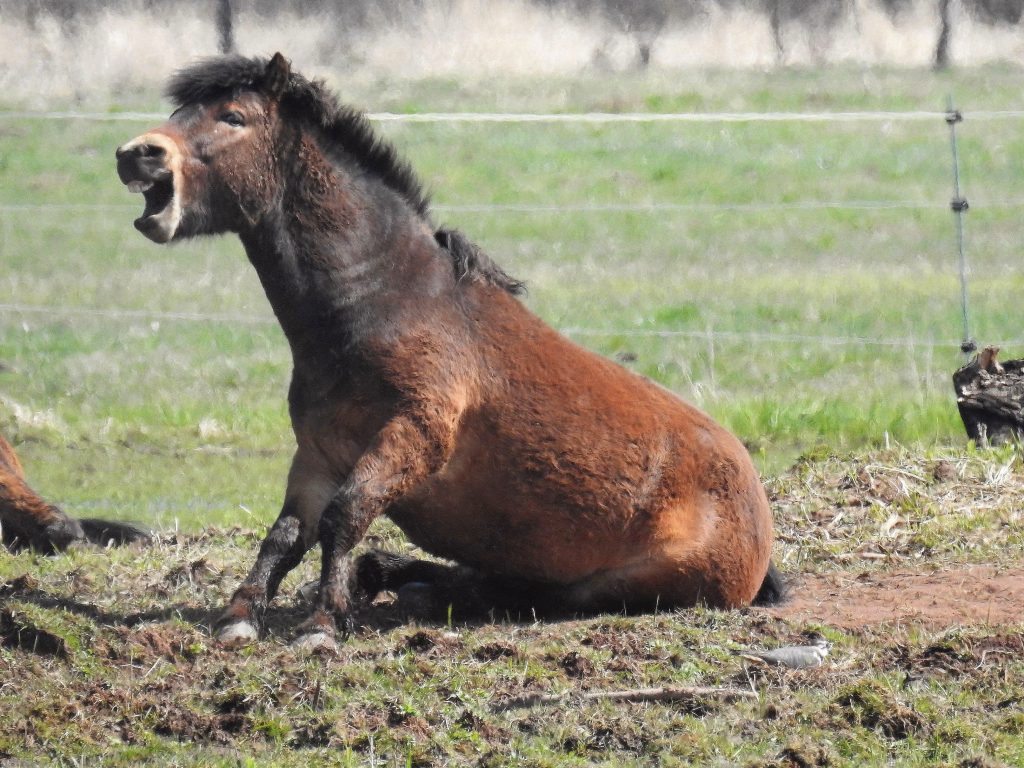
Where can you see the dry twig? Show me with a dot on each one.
(628, 695)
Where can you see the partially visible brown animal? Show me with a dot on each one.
(28, 521)
(422, 389)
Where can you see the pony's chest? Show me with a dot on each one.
(336, 422)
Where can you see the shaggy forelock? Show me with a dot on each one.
(214, 77)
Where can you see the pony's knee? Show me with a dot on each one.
(285, 536)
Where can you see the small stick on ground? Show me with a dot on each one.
(629, 695)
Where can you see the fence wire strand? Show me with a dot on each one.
(152, 316)
(574, 117)
(583, 208)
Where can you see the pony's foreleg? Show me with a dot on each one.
(291, 536)
(403, 453)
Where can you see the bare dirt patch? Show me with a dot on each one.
(952, 596)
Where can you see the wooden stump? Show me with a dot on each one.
(990, 396)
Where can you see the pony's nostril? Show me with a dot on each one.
(143, 150)
(154, 151)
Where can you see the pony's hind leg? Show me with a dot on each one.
(378, 570)
(437, 591)
(632, 588)
(425, 589)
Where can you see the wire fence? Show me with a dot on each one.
(573, 208)
(123, 314)
(526, 208)
(592, 117)
(577, 117)
(151, 316)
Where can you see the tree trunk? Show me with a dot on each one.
(945, 33)
(990, 397)
(225, 27)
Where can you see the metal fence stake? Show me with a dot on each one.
(959, 207)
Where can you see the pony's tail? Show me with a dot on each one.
(773, 588)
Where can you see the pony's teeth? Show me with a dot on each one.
(139, 186)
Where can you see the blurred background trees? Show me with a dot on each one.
(642, 21)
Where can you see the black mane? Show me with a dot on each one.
(343, 129)
(470, 261)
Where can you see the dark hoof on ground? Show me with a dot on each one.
(104, 532)
(308, 592)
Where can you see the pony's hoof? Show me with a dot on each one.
(309, 592)
(238, 634)
(312, 642)
(61, 534)
(106, 532)
(417, 599)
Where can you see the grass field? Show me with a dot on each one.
(149, 383)
(124, 404)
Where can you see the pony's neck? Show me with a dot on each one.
(338, 251)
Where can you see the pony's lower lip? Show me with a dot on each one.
(160, 217)
(153, 228)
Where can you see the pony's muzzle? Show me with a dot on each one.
(148, 165)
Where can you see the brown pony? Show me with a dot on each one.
(28, 521)
(424, 390)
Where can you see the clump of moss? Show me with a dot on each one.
(1012, 724)
(869, 704)
(803, 755)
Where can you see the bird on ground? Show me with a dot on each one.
(792, 656)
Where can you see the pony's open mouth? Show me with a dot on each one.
(159, 219)
(149, 165)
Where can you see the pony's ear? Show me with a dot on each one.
(275, 76)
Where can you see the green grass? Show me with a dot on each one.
(174, 419)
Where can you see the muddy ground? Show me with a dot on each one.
(911, 564)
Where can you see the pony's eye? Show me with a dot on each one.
(234, 119)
